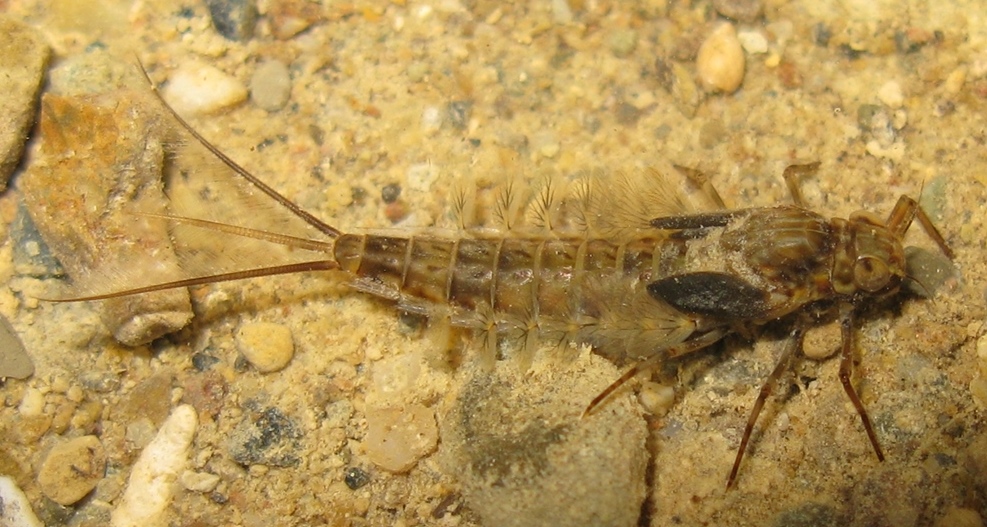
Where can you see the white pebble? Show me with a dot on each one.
(266, 345)
(200, 88)
(890, 94)
(270, 85)
(657, 399)
(720, 61)
(431, 119)
(753, 42)
(398, 437)
(152, 480)
(32, 404)
(16, 510)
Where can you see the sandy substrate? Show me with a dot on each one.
(368, 115)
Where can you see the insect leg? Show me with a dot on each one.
(701, 181)
(792, 174)
(846, 370)
(688, 346)
(907, 210)
(784, 365)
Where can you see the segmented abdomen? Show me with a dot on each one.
(515, 280)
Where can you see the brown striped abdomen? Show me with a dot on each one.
(519, 278)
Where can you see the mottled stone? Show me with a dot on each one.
(234, 19)
(524, 456)
(270, 438)
(72, 470)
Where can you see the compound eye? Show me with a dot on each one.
(871, 274)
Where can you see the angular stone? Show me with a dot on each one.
(99, 167)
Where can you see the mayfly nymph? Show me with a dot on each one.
(623, 265)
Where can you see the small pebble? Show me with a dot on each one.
(890, 94)
(623, 42)
(459, 113)
(954, 81)
(32, 403)
(234, 19)
(657, 399)
(720, 61)
(356, 477)
(271, 438)
(396, 212)
(390, 193)
(71, 470)
(753, 42)
(431, 119)
(16, 510)
(198, 481)
(739, 10)
(202, 362)
(266, 345)
(398, 437)
(270, 85)
(198, 88)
